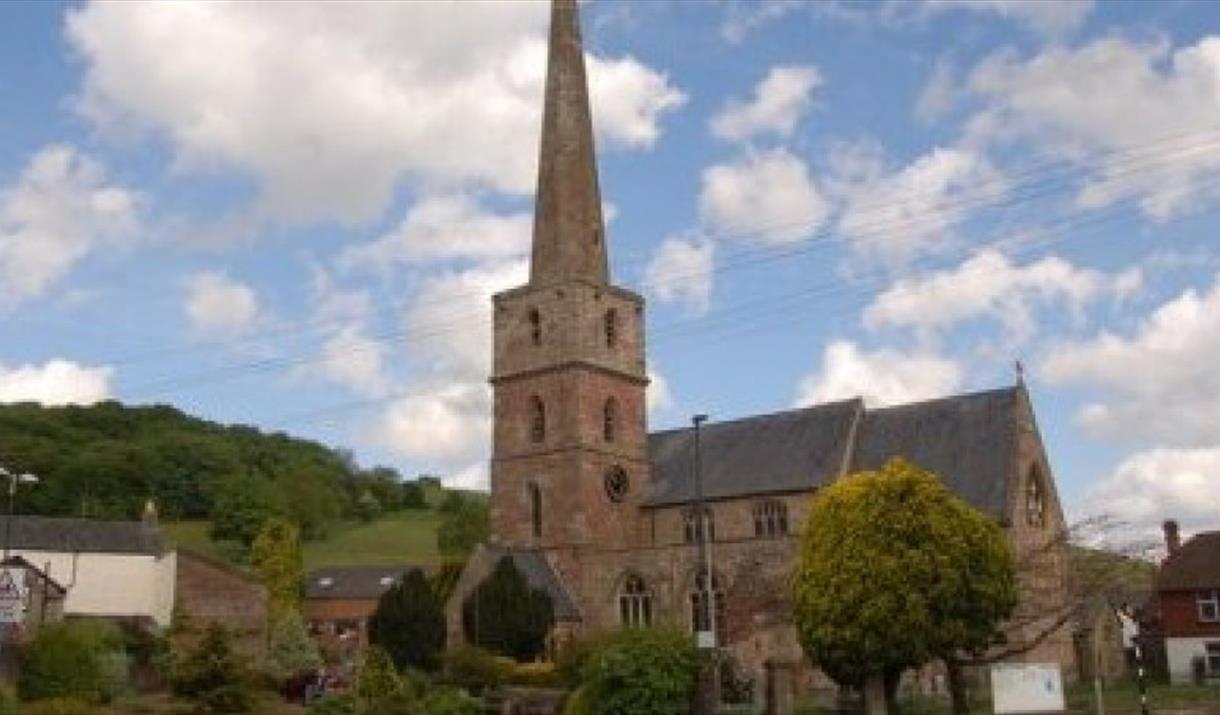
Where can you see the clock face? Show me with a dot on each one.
(617, 483)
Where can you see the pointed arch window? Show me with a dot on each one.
(535, 497)
(770, 518)
(535, 319)
(690, 524)
(611, 327)
(702, 601)
(537, 419)
(635, 602)
(610, 420)
(1035, 498)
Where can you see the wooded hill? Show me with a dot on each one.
(106, 460)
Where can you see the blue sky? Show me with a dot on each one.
(292, 214)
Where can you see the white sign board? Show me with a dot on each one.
(705, 639)
(12, 595)
(1027, 688)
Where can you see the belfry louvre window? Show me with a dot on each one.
(610, 419)
(1209, 606)
(770, 518)
(535, 326)
(537, 419)
(635, 602)
(690, 525)
(535, 496)
(611, 327)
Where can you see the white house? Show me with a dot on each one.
(111, 569)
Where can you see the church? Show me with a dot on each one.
(604, 515)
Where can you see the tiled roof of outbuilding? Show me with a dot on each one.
(968, 440)
(353, 582)
(1195, 565)
(41, 533)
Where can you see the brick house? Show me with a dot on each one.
(213, 591)
(579, 483)
(1188, 604)
(339, 600)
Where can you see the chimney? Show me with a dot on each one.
(149, 518)
(1173, 539)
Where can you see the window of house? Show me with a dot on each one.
(635, 602)
(610, 419)
(537, 419)
(700, 605)
(690, 524)
(1213, 658)
(535, 326)
(770, 518)
(1209, 606)
(611, 326)
(1035, 500)
(535, 495)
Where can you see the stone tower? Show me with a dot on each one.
(569, 461)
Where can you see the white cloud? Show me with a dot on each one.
(328, 106)
(990, 285)
(658, 397)
(779, 101)
(56, 382)
(767, 197)
(1050, 17)
(1152, 486)
(61, 208)
(681, 272)
(1138, 116)
(896, 216)
(446, 424)
(881, 377)
(939, 94)
(216, 303)
(742, 16)
(439, 228)
(1161, 383)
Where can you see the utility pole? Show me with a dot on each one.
(13, 479)
(707, 698)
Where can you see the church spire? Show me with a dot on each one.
(569, 236)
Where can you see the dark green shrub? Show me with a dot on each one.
(506, 615)
(409, 623)
(378, 680)
(574, 656)
(475, 669)
(447, 701)
(642, 672)
(211, 676)
(74, 659)
(342, 704)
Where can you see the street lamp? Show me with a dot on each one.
(13, 479)
(706, 639)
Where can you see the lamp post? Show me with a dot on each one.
(14, 478)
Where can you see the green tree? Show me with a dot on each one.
(368, 507)
(276, 556)
(506, 615)
(211, 675)
(241, 504)
(642, 671)
(378, 683)
(413, 496)
(409, 622)
(290, 650)
(894, 570)
(464, 525)
(73, 659)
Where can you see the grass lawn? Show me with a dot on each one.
(404, 537)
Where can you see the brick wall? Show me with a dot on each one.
(210, 591)
(1180, 616)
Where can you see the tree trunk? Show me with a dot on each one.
(957, 686)
(874, 695)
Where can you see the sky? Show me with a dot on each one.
(293, 214)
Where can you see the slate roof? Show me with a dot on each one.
(540, 575)
(41, 533)
(1195, 565)
(968, 440)
(365, 583)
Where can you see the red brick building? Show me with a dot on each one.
(339, 600)
(1188, 604)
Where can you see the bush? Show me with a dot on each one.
(57, 706)
(211, 676)
(8, 700)
(642, 672)
(290, 650)
(409, 623)
(577, 702)
(447, 701)
(377, 680)
(574, 656)
(535, 675)
(343, 704)
(475, 669)
(74, 659)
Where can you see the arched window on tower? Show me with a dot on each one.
(635, 602)
(535, 326)
(770, 518)
(611, 327)
(701, 604)
(690, 524)
(537, 419)
(1035, 498)
(610, 420)
(535, 496)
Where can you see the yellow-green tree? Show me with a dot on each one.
(894, 571)
(276, 555)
